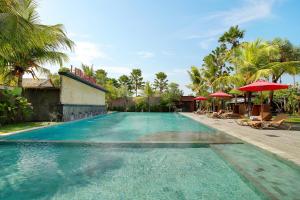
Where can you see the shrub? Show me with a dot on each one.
(13, 107)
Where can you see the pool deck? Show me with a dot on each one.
(283, 143)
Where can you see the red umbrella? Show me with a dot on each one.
(262, 85)
(200, 98)
(220, 94)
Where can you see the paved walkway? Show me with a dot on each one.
(283, 143)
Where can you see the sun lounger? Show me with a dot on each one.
(277, 122)
(216, 114)
(231, 115)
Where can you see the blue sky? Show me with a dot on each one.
(163, 35)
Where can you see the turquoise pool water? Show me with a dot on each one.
(79, 172)
(117, 127)
(106, 158)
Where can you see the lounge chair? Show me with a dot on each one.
(256, 121)
(231, 115)
(200, 112)
(277, 122)
(217, 114)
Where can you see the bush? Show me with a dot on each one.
(13, 107)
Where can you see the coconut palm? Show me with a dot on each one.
(25, 45)
(198, 84)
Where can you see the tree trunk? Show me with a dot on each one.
(20, 80)
(249, 103)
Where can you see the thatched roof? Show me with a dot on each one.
(37, 83)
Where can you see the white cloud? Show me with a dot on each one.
(87, 52)
(251, 10)
(209, 28)
(145, 54)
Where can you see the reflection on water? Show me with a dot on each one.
(208, 138)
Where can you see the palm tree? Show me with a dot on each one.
(283, 59)
(25, 45)
(249, 58)
(161, 82)
(198, 84)
(232, 36)
(136, 80)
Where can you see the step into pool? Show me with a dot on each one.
(140, 156)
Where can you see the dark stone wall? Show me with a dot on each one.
(72, 112)
(44, 102)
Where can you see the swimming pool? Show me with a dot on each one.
(82, 160)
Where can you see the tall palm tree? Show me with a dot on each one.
(136, 79)
(161, 82)
(25, 44)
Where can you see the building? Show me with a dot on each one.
(186, 104)
(77, 97)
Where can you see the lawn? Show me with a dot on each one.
(22, 126)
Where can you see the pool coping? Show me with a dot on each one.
(50, 125)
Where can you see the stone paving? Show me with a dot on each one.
(284, 143)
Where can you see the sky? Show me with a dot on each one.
(163, 35)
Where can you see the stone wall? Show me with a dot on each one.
(44, 102)
(72, 112)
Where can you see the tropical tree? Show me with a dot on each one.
(136, 80)
(101, 76)
(160, 82)
(198, 84)
(25, 44)
(232, 37)
(88, 70)
(126, 81)
(148, 92)
(284, 60)
(171, 95)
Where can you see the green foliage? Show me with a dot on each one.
(160, 82)
(287, 100)
(136, 79)
(126, 81)
(232, 36)
(64, 69)
(172, 95)
(25, 45)
(55, 79)
(88, 70)
(13, 107)
(148, 92)
(101, 76)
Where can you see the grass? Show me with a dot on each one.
(293, 120)
(22, 126)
